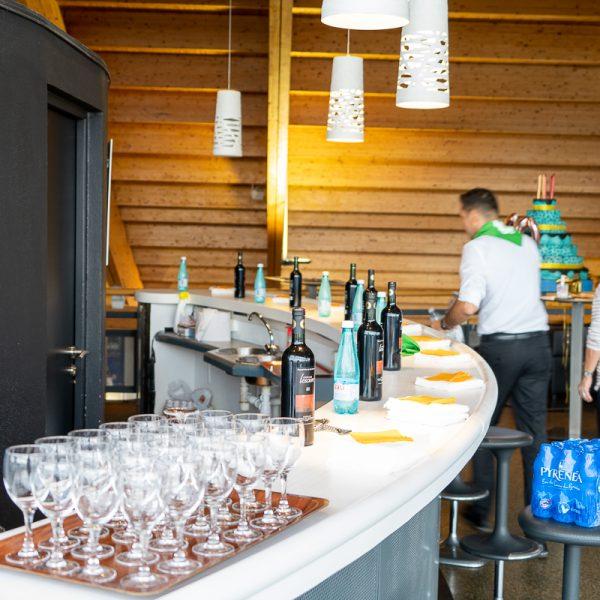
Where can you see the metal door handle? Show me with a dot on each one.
(72, 371)
(75, 353)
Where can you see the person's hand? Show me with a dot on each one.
(437, 325)
(584, 388)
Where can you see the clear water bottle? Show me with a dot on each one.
(182, 276)
(381, 304)
(357, 306)
(346, 376)
(260, 285)
(324, 299)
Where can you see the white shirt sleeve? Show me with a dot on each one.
(472, 276)
(593, 337)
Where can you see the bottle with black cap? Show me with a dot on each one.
(239, 276)
(391, 321)
(295, 286)
(298, 378)
(370, 352)
(349, 292)
(370, 287)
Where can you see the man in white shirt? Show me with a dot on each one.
(500, 281)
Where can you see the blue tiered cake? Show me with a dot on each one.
(559, 253)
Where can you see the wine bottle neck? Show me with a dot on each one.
(352, 271)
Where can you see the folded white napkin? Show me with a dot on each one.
(442, 362)
(435, 415)
(433, 343)
(219, 292)
(412, 329)
(449, 386)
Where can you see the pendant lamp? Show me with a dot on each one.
(228, 115)
(423, 78)
(346, 119)
(365, 14)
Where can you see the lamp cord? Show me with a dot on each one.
(348, 43)
(229, 50)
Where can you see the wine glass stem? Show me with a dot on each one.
(268, 498)
(179, 528)
(243, 524)
(213, 537)
(93, 563)
(56, 555)
(144, 541)
(283, 501)
(28, 547)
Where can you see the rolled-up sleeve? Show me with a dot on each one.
(593, 338)
(472, 276)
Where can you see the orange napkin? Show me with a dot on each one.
(456, 377)
(440, 352)
(429, 399)
(380, 437)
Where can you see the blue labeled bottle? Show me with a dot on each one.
(324, 299)
(567, 481)
(587, 512)
(260, 285)
(543, 494)
(357, 306)
(346, 376)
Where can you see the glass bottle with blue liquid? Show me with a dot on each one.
(346, 376)
(260, 285)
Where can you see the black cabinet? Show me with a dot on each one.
(53, 102)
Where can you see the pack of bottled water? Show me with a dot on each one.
(566, 482)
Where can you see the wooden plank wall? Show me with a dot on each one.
(525, 85)
(166, 62)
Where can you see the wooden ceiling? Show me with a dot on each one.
(525, 91)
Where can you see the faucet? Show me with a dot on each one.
(271, 347)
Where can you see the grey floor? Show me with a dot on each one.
(538, 579)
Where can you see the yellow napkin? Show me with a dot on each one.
(440, 352)
(380, 437)
(450, 377)
(429, 399)
(424, 338)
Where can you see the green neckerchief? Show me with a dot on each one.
(409, 346)
(502, 231)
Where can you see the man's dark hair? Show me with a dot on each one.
(479, 199)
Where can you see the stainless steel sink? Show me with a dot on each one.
(248, 354)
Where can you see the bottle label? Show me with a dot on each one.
(305, 392)
(379, 367)
(345, 392)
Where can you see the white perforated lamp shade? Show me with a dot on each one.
(365, 14)
(346, 119)
(228, 124)
(423, 77)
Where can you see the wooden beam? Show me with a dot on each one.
(47, 8)
(280, 46)
(123, 264)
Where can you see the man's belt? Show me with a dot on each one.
(505, 337)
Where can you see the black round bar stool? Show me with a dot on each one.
(451, 553)
(501, 545)
(571, 536)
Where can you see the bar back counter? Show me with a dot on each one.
(378, 537)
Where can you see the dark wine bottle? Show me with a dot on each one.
(349, 293)
(295, 286)
(370, 288)
(370, 352)
(298, 379)
(391, 322)
(239, 277)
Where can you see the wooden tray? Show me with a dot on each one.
(307, 504)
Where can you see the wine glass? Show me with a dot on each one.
(274, 463)
(118, 431)
(52, 486)
(82, 532)
(254, 423)
(185, 469)
(146, 422)
(287, 436)
(20, 463)
(96, 499)
(221, 477)
(59, 539)
(139, 479)
(251, 461)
